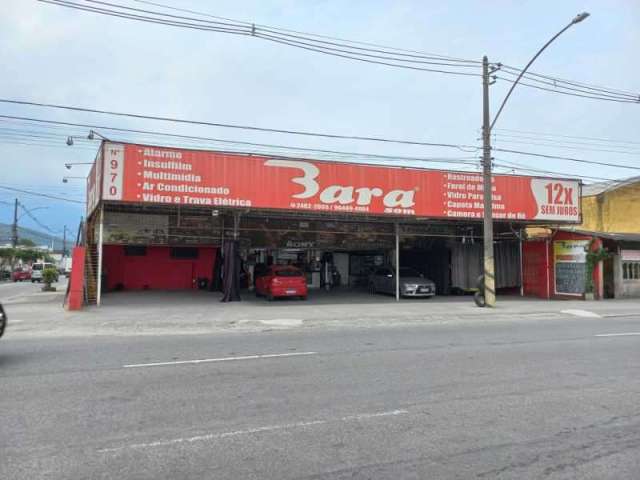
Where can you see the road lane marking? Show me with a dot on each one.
(581, 313)
(221, 359)
(250, 431)
(628, 334)
(365, 416)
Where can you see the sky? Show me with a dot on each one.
(55, 55)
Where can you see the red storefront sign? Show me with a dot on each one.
(147, 174)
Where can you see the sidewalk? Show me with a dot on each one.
(197, 312)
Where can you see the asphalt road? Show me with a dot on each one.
(545, 399)
(12, 290)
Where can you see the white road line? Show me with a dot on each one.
(365, 416)
(249, 431)
(629, 334)
(221, 359)
(214, 436)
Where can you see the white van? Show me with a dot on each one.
(38, 268)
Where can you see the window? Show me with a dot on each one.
(184, 253)
(631, 270)
(288, 272)
(135, 250)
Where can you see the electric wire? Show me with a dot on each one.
(152, 137)
(43, 195)
(422, 54)
(256, 31)
(509, 69)
(583, 90)
(500, 140)
(519, 166)
(317, 46)
(570, 93)
(348, 48)
(557, 135)
(569, 159)
(464, 148)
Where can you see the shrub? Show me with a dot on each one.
(49, 275)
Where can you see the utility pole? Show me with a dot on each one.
(14, 227)
(489, 270)
(64, 241)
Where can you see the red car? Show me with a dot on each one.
(281, 281)
(20, 275)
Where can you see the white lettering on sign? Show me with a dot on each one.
(113, 172)
(342, 194)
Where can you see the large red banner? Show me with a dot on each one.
(149, 174)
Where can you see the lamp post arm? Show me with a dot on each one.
(524, 70)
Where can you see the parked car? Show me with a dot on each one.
(412, 283)
(21, 274)
(281, 281)
(38, 268)
(3, 320)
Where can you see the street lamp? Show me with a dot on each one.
(487, 126)
(66, 179)
(71, 164)
(92, 135)
(579, 18)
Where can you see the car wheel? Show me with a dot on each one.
(303, 297)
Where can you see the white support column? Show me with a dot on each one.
(99, 269)
(397, 263)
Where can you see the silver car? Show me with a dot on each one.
(412, 283)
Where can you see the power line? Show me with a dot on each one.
(570, 159)
(542, 134)
(526, 168)
(348, 51)
(571, 92)
(280, 29)
(567, 147)
(558, 84)
(255, 30)
(190, 138)
(556, 80)
(35, 220)
(44, 195)
(469, 148)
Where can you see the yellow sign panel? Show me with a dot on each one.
(570, 251)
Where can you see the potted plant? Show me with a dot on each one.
(49, 275)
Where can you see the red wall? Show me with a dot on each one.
(155, 270)
(76, 280)
(537, 268)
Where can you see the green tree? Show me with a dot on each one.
(25, 242)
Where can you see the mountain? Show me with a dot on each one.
(39, 238)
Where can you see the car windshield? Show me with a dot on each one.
(288, 272)
(408, 272)
(38, 266)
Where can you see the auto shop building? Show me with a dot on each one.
(161, 218)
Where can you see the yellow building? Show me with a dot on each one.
(611, 207)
